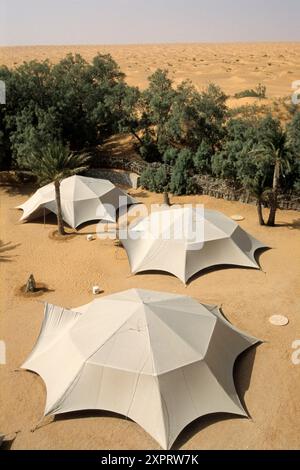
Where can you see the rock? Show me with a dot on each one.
(31, 284)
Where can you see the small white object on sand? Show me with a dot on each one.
(89, 237)
(279, 320)
(96, 290)
(237, 217)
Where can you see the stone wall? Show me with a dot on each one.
(117, 177)
(126, 173)
(205, 184)
(134, 165)
(14, 178)
(227, 190)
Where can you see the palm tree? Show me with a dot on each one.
(252, 172)
(53, 163)
(277, 152)
(255, 186)
(257, 190)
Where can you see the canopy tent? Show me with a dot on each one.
(161, 359)
(82, 199)
(161, 242)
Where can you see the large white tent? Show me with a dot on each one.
(185, 240)
(161, 359)
(82, 199)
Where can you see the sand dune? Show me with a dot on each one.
(232, 66)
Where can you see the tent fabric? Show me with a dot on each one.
(221, 241)
(160, 359)
(82, 199)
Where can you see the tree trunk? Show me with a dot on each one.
(137, 137)
(60, 223)
(259, 212)
(273, 199)
(273, 209)
(166, 198)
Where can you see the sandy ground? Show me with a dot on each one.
(232, 66)
(267, 380)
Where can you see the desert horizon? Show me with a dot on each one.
(232, 66)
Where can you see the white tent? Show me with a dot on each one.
(184, 241)
(161, 359)
(82, 199)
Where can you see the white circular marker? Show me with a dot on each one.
(237, 217)
(279, 320)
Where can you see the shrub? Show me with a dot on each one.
(147, 179)
(181, 178)
(170, 156)
(258, 92)
(155, 179)
(202, 158)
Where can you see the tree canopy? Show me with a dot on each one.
(186, 130)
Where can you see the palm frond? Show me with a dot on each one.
(56, 162)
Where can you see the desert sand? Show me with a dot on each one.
(234, 67)
(266, 378)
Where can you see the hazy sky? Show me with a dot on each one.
(147, 21)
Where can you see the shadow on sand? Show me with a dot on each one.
(4, 248)
(295, 225)
(26, 189)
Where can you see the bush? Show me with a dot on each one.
(170, 156)
(296, 186)
(156, 180)
(35, 128)
(181, 178)
(161, 179)
(202, 158)
(258, 92)
(149, 151)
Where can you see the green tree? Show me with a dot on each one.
(74, 101)
(202, 158)
(53, 163)
(158, 99)
(276, 151)
(253, 171)
(225, 161)
(35, 128)
(181, 178)
(292, 180)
